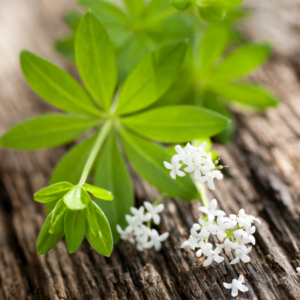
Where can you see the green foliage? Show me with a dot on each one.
(47, 131)
(212, 78)
(73, 215)
(135, 28)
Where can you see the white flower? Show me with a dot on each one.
(189, 154)
(298, 271)
(134, 223)
(203, 246)
(249, 230)
(222, 227)
(241, 255)
(192, 242)
(246, 220)
(202, 235)
(209, 178)
(195, 167)
(126, 234)
(156, 240)
(212, 209)
(236, 285)
(208, 227)
(212, 255)
(140, 213)
(174, 166)
(142, 233)
(153, 211)
(227, 246)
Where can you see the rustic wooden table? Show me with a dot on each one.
(263, 178)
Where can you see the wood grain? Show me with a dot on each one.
(263, 177)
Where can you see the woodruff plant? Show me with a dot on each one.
(119, 121)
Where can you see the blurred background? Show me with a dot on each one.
(262, 150)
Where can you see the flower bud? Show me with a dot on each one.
(180, 4)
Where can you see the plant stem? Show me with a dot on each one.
(99, 142)
(201, 190)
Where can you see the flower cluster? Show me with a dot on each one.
(235, 232)
(198, 162)
(142, 235)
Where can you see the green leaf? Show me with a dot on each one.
(214, 104)
(98, 192)
(56, 86)
(103, 243)
(77, 198)
(213, 44)
(57, 220)
(212, 13)
(96, 61)
(71, 165)
(176, 124)
(47, 131)
(147, 160)
(226, 4)
(91, 219)
(180, 4)
(250, 95)
(112, 174)
(74, 228)
(45, 240)
(135, 7)
(151, 78)
(52, 192)
(242, 61)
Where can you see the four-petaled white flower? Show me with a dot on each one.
(212, 255)
(246, 220)
(241, 254)
(192, 242)
(212, 212)
(209, 178)
(156, 240)
(174, 166)
(134, 223)
(153, 211)
(126, 234)
(140, 213)
(208, 227)
(235, 286)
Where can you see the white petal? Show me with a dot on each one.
(210, 184)
(204, 210)
(184, 244)
(168, 165)
(156, 219)
(134, 211)
(163, 237)
(199, 253)
(196, 226)
(157, 246)
(221, 235)
(235, 261)
(252, 239)
(234, 291)
(178, 149)
(119, 229)
(219, 213)
(218, 259)
(241, 279)
(159, 208)
(139, 247)
(147, 217)
(175, 160)
(203, 179)
(219, 176)
(180, 174)
(173, 174)
(227, 285)
(208, 261)
(148, 245)
(148, 206)
(245, 258)
(202, 146)
(213, 204)
(242, 288)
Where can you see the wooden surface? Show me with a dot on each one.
(263, 177)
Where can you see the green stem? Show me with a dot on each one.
(201, 190)
(99, 142)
